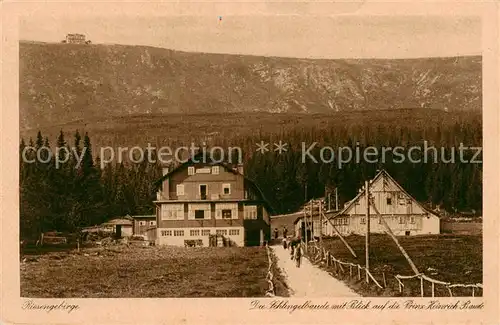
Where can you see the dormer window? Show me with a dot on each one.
(226, 189)
(389, 201)
(191, 171)
(215, 170)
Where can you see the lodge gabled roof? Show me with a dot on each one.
(381, 173)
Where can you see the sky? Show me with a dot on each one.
(343, 36)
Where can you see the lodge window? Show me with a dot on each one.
(222, 232)
(152, 223)
(191, 171)
(234, 232)
(180, 189)
(222, 210)
(199, 214)
(363, 220)
(203, 191)
(226, 189)
(401, 220)
(194, 232)
(226, 214)
(205, 232)
(199, 211)
(389, 201)
(215, 170)
(172, 211)
(250, 212)
(178, 233)
(412, 219)
(142, 223)
(166, 233)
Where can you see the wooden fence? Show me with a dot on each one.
(433, 282)
(321, 254)
(270, 277)
(317, 254)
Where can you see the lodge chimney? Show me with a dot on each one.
(240, 169)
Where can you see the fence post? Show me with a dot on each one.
(421, 286)
(385, 283)
(472, 291)
(350, 271)
(432, 289)
(359, 272)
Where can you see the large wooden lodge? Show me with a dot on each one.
(198, 199)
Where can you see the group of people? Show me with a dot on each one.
(276, 232)
(295, 247)
(293, 244)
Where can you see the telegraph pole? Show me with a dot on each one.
(367, 238)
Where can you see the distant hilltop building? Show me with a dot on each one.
(76, 39)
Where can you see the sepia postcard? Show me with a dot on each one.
(250, 162)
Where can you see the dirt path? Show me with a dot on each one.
(309, 280)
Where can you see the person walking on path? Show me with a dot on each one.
(285, 232)
(275, 233)
(298, 254)
(309, 281)
(293, 243)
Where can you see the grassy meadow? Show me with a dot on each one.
(449, 258)
(142, 272)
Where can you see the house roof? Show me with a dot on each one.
(381, 173)
(118, 222)
(287, 215)
(225, 166)
(305, 208)
(144, 216)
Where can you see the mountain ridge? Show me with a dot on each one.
(66, 82)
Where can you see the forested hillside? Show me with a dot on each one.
(66, 198)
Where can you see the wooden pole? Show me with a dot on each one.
(391, 234)
(336, 200)
(329, 201)
(367, 237)
(305, 229)
(341, 237)
(312, 221)
(320, 223)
